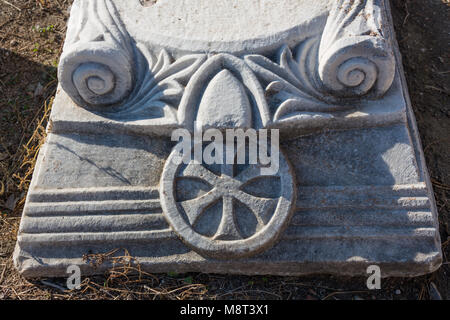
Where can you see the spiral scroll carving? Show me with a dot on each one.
(354, 56)
(97, 65)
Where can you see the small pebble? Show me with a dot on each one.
(11, 202)
(39, 90)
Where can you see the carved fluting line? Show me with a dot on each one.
(95, 223)
(91, 207)
(354, 57)
(97, 65)
(91, 194)
(80, 238)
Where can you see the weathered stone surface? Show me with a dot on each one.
(352, 187)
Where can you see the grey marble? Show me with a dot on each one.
(352, 188)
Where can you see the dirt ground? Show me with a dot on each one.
(31, 39)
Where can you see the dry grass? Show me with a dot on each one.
(28, 56)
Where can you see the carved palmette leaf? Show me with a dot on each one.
(161, 83)
(326, 73)
(224, 76)
(290, 83)
(104, 70)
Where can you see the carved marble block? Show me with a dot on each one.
(352, 189)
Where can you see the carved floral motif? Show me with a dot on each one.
(103, 69)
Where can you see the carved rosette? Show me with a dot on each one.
(243, 213)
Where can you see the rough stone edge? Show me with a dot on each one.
(31, 269)
(414, 132)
